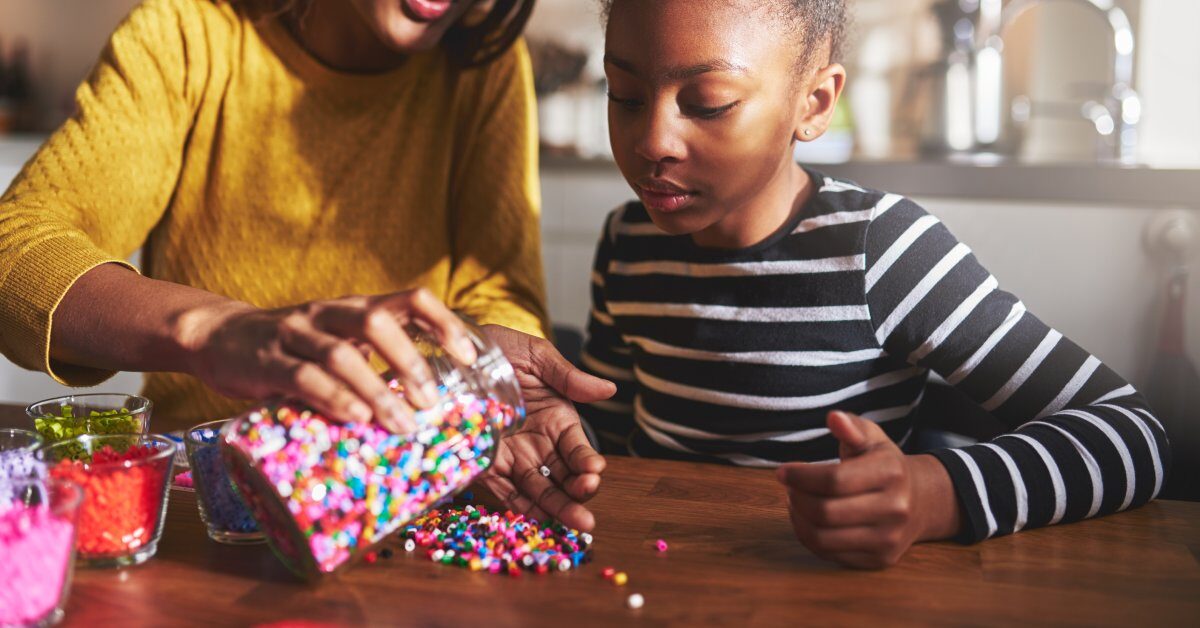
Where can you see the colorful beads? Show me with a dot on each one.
(660, 545)
(124, 496)
(17, 465)
(66, 425)
(222, 510)
(35, 557)
(497, 542)
(322, 490)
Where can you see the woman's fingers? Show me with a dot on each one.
(425, 310)
(306, 380)
(345, 361)
(382, 328)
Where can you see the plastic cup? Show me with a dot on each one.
(221, 508)
(37, 544)
(125, 481)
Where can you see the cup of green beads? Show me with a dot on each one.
(64, 418)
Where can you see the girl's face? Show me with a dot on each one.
(703, 110)
(408, 26)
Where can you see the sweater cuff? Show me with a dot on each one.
(970, 506)
(514, 318)
(37, 283)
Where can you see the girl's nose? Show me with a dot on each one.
(660, 139)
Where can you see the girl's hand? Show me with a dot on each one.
(551, 436)
(317, 352)
(868, 509)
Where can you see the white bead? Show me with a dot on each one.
(437, 555)
(410, 545)
(635, 601)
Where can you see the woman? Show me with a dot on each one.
(270, 158)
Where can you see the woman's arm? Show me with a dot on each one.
(98, 186)
(495, 202)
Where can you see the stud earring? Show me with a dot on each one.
(807, 132)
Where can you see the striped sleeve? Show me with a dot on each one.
(606, 354)
(1082, 441)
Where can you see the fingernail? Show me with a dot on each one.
(430, 392)
(359, 412)
(466, 350)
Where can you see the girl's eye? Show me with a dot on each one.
(631, 104)
(710, 113)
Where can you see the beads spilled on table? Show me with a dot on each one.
(122, 503)
(500, 543)
(35, 554)
(348, 485)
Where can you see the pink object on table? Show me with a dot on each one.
(661, 545)
(35, 554)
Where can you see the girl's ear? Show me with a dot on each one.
(815, 108)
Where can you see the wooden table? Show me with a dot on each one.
(732, 561)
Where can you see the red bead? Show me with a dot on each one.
(608, 572)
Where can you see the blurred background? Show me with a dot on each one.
(1059, 138)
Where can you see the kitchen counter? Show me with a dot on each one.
(1071, 183)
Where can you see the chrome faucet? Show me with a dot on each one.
(974, 113)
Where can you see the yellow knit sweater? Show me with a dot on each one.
(242, 166)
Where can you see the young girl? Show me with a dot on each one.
(759, 313)
(273, 156)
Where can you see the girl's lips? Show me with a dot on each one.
(664, 201)
(428, 10)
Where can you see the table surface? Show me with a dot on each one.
(732, 560)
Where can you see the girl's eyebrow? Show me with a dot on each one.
(680, 72)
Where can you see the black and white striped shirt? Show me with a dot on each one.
(738, 355)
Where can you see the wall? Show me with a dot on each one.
(1082, 268)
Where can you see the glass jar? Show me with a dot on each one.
(324, 492)
(17, 461)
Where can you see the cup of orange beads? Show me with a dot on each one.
(324, 492)
(125, 479)
(37, 542)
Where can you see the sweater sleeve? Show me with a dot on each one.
(1082, 441)
(607, 355)
(96, 188)
(497, 276)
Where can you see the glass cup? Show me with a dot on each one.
(125, 480)
(37, 545)
(221, 508)
(63, 418)
(17, 460)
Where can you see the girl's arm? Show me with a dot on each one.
(1082, 443)
(605, 354)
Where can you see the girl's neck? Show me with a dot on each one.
(777, 204)
(335, 34)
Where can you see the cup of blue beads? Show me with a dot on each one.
(221, 508)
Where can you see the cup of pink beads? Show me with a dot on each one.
(325, 492)
(37, 548)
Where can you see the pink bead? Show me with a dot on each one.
(661, 545)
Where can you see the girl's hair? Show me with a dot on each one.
(816, 21)
(474, 41)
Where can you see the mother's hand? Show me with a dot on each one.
(551, 437)
(317, 352)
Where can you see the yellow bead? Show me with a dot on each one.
(476, 565)
(620, 578)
